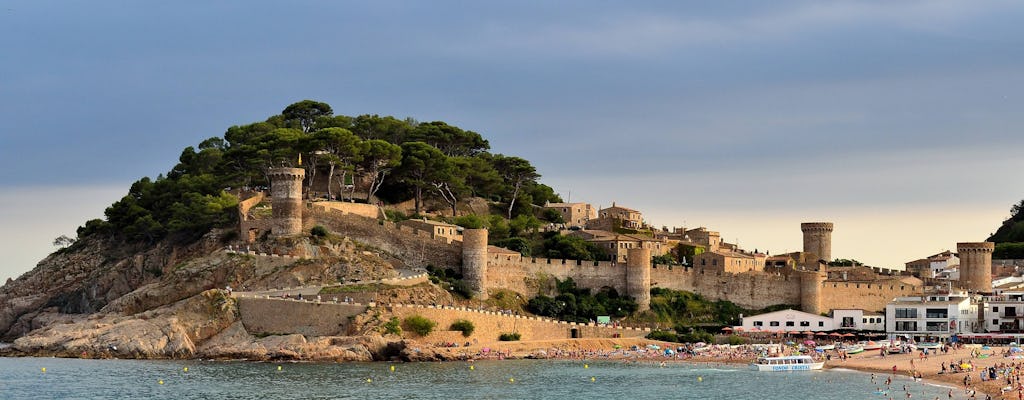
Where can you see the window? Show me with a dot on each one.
(758, 323)
(995, 309)
(906, 326)
(936, 313)
(864, 321)
(995, 322)
(821, 323)
(774, 323)
(789, 323)
(906, 313)
(805, 323)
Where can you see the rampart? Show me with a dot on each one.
(871, 296)
(279, 316)
(360, 209)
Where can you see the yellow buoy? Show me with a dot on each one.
(700, 379)
(511, 380)
(592, 379)
(586, 366)
(392, 368)
(43, 369)
(185, 369)
(278, 367)
(471, 367)
(368, 380)
(160, 381)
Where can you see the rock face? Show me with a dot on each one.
(103, 299)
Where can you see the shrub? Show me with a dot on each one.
(664, 336)
(420, 325)
(393, 327)
(319, 231)
(735, 340)
(465, 326)
(509, 337)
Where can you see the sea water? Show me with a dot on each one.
(55, 378)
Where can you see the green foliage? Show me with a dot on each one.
(665, 336)
(319, 231)
(393, 327)
(515, 244)
(420, 325)
(736, 340)
(1009, 251)
(695, 336)
(552, 215)
(579, 305)
(664, 259)
(450, 280)
(509, 337)
(1012, 229)
(464, 326)
(571, 248)
(842, 262)
(684, 309)
(471, 221)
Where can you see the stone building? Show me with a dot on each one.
(618, 245)
(728, 261)
(574, 214)
(435, 229)
(625, 217)
(933, 265)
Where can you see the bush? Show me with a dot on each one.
(664, 336)
(697, 336)
(735, 340)
(319, 231)
(393, 327)
(420, 325)
(465, 326)
(509, 337)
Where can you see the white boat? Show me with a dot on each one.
(787, 363)
(855, 349)
(826, 347)
(870, 345)
(929, 345)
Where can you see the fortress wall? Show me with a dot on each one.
(275, 316)
(869, 296)
(531, 276)
(419, 251)
(749, 289)
(488, 325)
(364, 210)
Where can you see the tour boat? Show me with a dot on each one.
(787, 363)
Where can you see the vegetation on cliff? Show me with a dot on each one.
(398, 159)
(577, 304)
(1009, 238)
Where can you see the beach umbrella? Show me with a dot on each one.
(821, 334)
(794, 332)
(835, 334)
(727, 329)
(848, 335)
(1016, 350)
(808, 333)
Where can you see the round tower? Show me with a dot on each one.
(811, 283)
(638, 277)
(976, 266)
(474, 261)
(286, 200)
(818, 239)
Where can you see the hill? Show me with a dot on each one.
(1009, 238)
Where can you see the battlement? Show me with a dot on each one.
(286, 174)
(975, 247)
(816, 226)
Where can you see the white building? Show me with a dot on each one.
(1004, 313)
(793, 320)
(936, 316)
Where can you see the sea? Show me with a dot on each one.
(58, 378)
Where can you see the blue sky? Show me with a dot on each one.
(897, 120)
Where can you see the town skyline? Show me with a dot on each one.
(895, 121)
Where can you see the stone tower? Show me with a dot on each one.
(474, 261)
(286, 200)
(811, 282)
(976, 266)
(818, 239)
(638, 277)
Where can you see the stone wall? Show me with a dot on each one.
(752, 290)
(869, 296)
(277, 316)
(488, 325)
(360, 209)
(531, 276)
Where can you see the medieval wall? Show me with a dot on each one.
(531, 276)
(275, 316)
(364, 210)
(752, 290)
(488, 325)
(869, 296)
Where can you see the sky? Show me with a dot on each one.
(896, 120)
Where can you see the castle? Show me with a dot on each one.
(806, 281)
